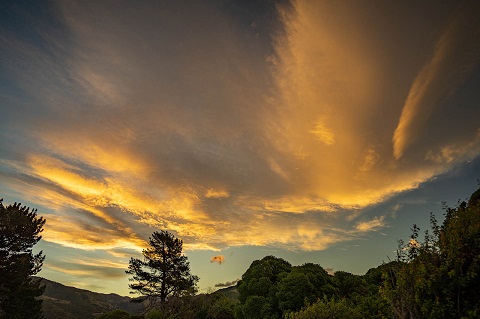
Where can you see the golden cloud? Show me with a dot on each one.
(370, 225)
(323, 133)
(212, 193)
(222, 141)
(220, 259)
(71, 233)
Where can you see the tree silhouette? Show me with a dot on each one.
(164, 270)
(258, 288)
(439, 277)
(19, 232)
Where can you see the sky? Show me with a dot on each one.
(315, 131)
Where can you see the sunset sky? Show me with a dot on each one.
(316, 131)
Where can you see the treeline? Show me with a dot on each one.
(435, 275)
(272, 288)
(219, 305)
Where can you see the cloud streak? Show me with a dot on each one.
(370, 225)
(455, 56)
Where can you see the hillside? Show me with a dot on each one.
(229, 292)
(64, 302)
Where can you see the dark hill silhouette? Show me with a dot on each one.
(64, 302)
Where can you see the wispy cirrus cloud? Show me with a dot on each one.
(93, 270)
(456, 55)
(372, 224)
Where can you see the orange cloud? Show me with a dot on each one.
(217, 259)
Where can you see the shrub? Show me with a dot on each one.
(115, 314)
(327, 309)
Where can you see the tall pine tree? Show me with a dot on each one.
(164, 270)
(20, 230)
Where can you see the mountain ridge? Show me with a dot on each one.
(67, 302)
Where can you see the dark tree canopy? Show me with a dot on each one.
(307, 282)
(440, 277)
(261, 276)
(115, 314)
(272, 287)
(164, 270)
(20, 230)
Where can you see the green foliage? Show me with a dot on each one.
(293, 290)
(221, 308)
(258, 288)
(271, 287)
(375, 277)
(256, 307)
(20, 230)
(348, 285)
(318, 277)
(319, 282)
(261, 276)
(164, 270)
(217, 305)
(328, 309)
(154, 314)
(439, 278)
(115, 314)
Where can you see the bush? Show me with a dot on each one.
(115, 314)
(327, 309)
(154, 314)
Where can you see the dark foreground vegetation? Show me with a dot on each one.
(20, 230)
(434, 275)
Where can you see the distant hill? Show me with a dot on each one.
(229, 292)
(64, 302)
